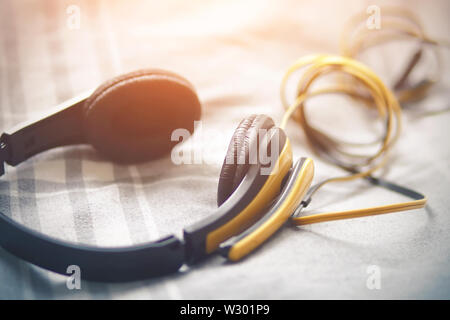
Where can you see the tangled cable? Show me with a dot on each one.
(336, 151)
(397, 23)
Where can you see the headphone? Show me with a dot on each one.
(130, 119)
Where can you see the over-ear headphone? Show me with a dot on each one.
(130, 119)
(127, 119)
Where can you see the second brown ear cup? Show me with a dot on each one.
(131, 117)
(236, 162)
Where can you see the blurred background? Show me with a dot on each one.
(235, 54)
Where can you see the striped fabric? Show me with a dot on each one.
(234, 52)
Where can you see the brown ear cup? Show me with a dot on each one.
(131, 117)
(236, 163)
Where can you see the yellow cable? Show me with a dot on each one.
(315, 67)
(397, 23)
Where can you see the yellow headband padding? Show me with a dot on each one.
(250, 213)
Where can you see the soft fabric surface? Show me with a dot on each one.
(235, 53)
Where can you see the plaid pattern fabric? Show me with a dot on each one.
(234, 53)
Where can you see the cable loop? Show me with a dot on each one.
(397, 24)
(335, 151)
(331, 149)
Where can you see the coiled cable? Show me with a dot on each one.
(340, 152)
(397, 24)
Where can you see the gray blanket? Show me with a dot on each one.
(235, 53)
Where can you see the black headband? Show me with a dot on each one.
(150, 259)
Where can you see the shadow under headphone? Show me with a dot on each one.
(130, 119)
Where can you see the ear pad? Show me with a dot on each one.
(131, 117)
(236, 163)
